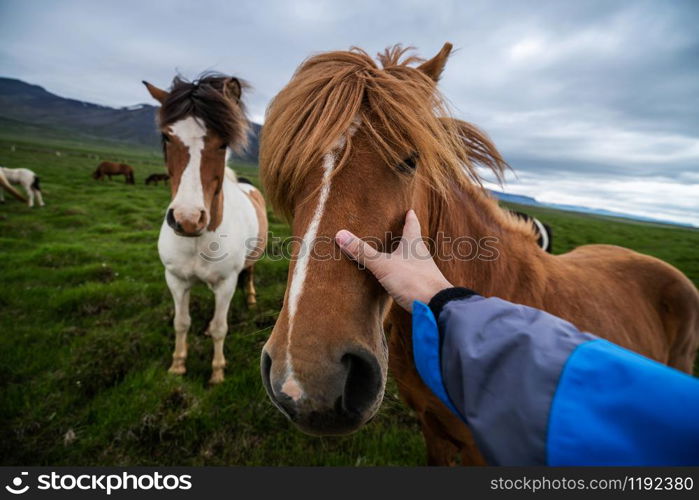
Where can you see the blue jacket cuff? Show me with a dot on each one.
(427, 352)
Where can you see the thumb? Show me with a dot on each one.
(358, 250)
(411, 228)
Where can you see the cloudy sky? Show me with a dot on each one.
(593, 103)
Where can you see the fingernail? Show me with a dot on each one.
(344, 237)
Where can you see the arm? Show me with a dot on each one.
(532, 387)
(536, 390)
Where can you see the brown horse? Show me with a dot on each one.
(110, 168)
(351, 144)
(155, 178)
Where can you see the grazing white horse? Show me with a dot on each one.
(215, 227)
(28, 180)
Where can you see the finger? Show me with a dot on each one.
(411, 229)
(357, 249)
(412, 243)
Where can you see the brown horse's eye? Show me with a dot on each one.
(408, 165)
(223, 147)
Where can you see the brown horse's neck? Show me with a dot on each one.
(498, 254)
(216, 209)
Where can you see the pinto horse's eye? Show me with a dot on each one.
(408, 165)
(165, 138)
(223, 147)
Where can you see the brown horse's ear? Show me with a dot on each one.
(232, 88)
(158, 94)
(434, 67)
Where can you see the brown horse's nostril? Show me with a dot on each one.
(283, 402)
(363, 382)
(265, 372)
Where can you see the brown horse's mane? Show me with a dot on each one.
(399, 109)
(210, 99)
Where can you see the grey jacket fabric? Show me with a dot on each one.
(500, 373)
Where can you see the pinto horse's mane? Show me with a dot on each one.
(210, 99)
(397, 107)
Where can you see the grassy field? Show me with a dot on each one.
(86, 336)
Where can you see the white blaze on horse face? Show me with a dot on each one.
(301, 268)
(190, 192)
(299, 276)
(291, 386)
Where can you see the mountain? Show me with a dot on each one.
(31, 105)
(515, 198)
(253, 150)
(528, 200)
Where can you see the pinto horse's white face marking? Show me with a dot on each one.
(189, 200)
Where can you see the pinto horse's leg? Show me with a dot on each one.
(218, 327)
(180, 295)
(250, 292)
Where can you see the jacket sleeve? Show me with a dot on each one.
(535, 390)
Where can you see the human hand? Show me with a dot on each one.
(407, 274)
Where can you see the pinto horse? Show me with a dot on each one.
(351, 143)
(215, 228)
(110, 168)
(544, 233)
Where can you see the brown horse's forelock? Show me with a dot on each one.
(207, 99)
(400, 111)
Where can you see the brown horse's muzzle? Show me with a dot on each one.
(336, 398)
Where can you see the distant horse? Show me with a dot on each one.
(155, 178)
(6, 186)
(25, 178)
(543, 231)
(352, 144)
(215, 227)
(110, 168)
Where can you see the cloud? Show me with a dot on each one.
(660, 198)
(573, 93)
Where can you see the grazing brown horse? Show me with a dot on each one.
(110, 168)
(155, 178)
(352, 144)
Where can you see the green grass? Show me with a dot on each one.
(86, 336)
